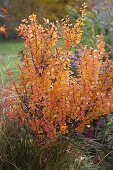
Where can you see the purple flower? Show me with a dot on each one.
(73, 64)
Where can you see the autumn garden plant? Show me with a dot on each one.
(48, 101)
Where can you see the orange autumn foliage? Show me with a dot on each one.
(3, 29)
(48, 99)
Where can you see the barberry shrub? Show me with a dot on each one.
(48, 101)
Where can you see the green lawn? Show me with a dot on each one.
(9, 58)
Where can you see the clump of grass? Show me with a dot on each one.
(18, 152)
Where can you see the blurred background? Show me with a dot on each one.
(20, 9)
(16, 10)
